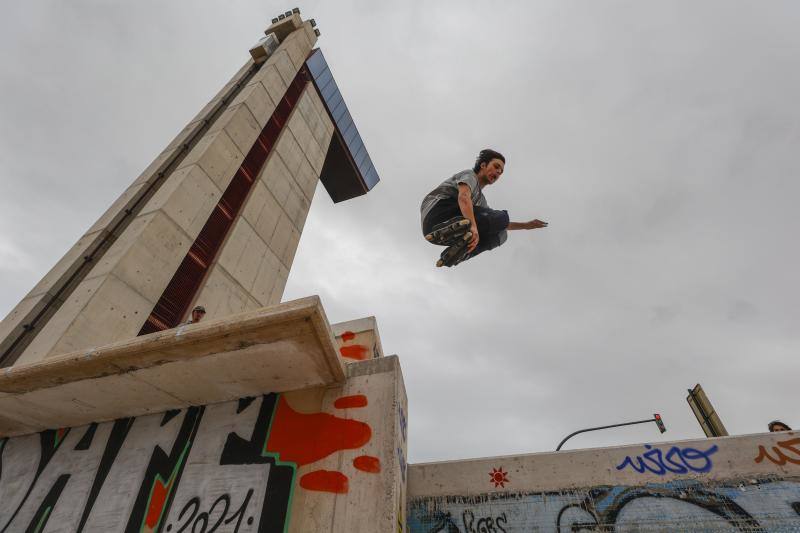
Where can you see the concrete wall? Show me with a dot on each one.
(112, 300)
(323, 459)
(358, 339)
(748, 483)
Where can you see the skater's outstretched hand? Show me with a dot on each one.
(473, 242)
(531, 224)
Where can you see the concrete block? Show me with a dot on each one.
(297, 46)
(276, 176)
(374, 498)
(301, 130)
(289, 151)
(218, 156)
(283, 63)
(307, 178)
(297, 206)
(285, 26)
(310, 35)
(319, 105)
(358, 339)
(221, 295)
(282, 348)
(280, 284)
(240, 125)
(272, 81)
(262, 211)
(282, 237)
(308, 144)
(242, 254)
(318, 119)
(187, 197)
(304, 105)
(257, 100)
(268, 273)
(291, 247)
(146, 258)
(321, 132)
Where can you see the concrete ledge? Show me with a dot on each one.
(274, 349)
(763, 455)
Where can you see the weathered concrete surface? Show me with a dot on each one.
(358, 339)
(281, 348)
(322, 460)
(746, 483)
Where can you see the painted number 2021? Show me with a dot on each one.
(199, 521)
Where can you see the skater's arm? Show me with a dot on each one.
(465, 204)
(531, 224)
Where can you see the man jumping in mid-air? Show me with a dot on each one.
(455, 214)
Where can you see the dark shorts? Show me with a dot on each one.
(492, 223)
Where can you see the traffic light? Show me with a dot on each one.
(659, 422)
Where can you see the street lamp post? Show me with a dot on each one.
(656, 418)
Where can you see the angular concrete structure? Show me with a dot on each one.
(215, 219)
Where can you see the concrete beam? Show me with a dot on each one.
(274, 349)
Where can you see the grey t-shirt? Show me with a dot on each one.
(449, 189)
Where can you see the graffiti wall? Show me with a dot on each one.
(749, 483)
(275, 463)
(749, 505)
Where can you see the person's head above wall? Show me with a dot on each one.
(777, 425)
(198, 313)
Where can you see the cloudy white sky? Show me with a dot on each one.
(658, 139)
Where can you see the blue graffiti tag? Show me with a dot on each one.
(403, 423)
(401, 458)
(676, 460)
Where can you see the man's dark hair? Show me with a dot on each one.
(776, 422)
(485, 156)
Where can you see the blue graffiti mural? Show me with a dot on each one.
(766, 505)
(677, 460)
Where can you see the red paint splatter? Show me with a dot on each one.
(348, 336)
(356, 351)
(305, 438)
(357, 400)
(157, 500)
(325, 481)
(367, 463)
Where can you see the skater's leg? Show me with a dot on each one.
(492, 224)
(443, 211)
(490, 221)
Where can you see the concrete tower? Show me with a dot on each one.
(215, 219)
(115, 416)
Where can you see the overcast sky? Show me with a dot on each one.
(659, 140)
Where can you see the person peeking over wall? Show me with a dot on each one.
(777, 425)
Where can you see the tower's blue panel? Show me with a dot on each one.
(362, 176)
